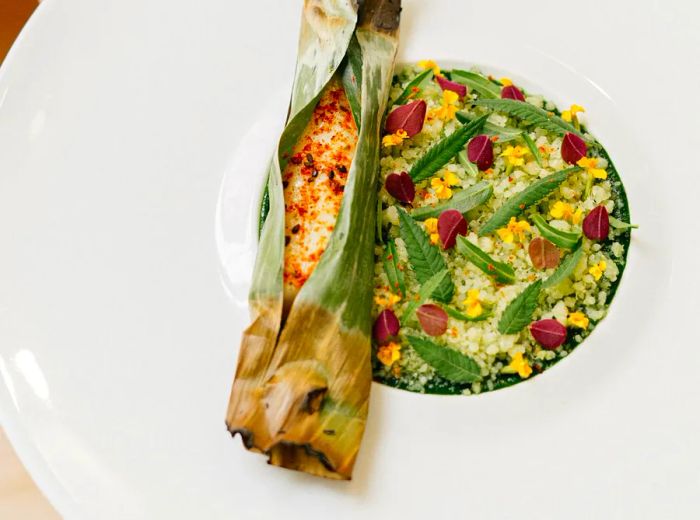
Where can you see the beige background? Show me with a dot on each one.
(19, 497)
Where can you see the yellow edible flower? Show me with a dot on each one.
(389, 354)
(506, 82)
(442, 186)
(515, 155)
(598, 269)
(449, 107)
(563, 210)
(570, 115)
(513, 228)
(545, 149)
(451, 178)
(429, 64)
(591, 166)
(520, 365)
(394, 139)
(431, 227)
(388, 301)
(578, 319)
(473, 303)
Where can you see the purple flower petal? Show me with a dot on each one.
(409, 118)
(401, 187)
(446, 84)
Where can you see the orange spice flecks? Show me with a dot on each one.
(314, 182)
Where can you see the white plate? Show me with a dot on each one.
(122, 280)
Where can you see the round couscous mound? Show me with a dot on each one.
(473, 292)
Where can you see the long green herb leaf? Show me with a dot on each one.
(618, 224)
(471, 168)
(448, 363)
(454, 313)
(462, 201)
(532, 147)
(556, 236)
(425, 258)
(518, 313)
(441, 153)
(391, 268)
(565, 269)
(502, 272)
(477, 82)
(424, 293)
(504, 133)
(531, 114)
(520, 201)
(418, 82)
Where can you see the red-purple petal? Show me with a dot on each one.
(401, 187)
(432, 319)
(596, 225)
(543, 253)
(446, 84)
(512, 92)
(549, 333)
(409, 118)
(573, 148)
(450, 224)
(480, 152)
(385, 326)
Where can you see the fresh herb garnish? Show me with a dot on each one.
(424, 257)
(502, 272)
(531, 114)
(441, 153)
(391, 268)
(556, 236)
(418, 82)
(518, 313)
(462, 201)
(533, 148)
(471, 168)
(618, 224)
(504, 133)
(448, 363)
(425, 291)
(565, 269)
(476, 82)
(520, 201)
(454, 313)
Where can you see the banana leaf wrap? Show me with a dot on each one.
(301, 390)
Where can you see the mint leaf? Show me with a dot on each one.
(448, 363)
(425, 258)
(476, 82)
(518, 313)
(520, 201)
(391, 268)
(424, 293)
(531, 114)
(565, 269)
(442, 152)
(462, 201)
(418, 82)
(502, 272)
(556, 236)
